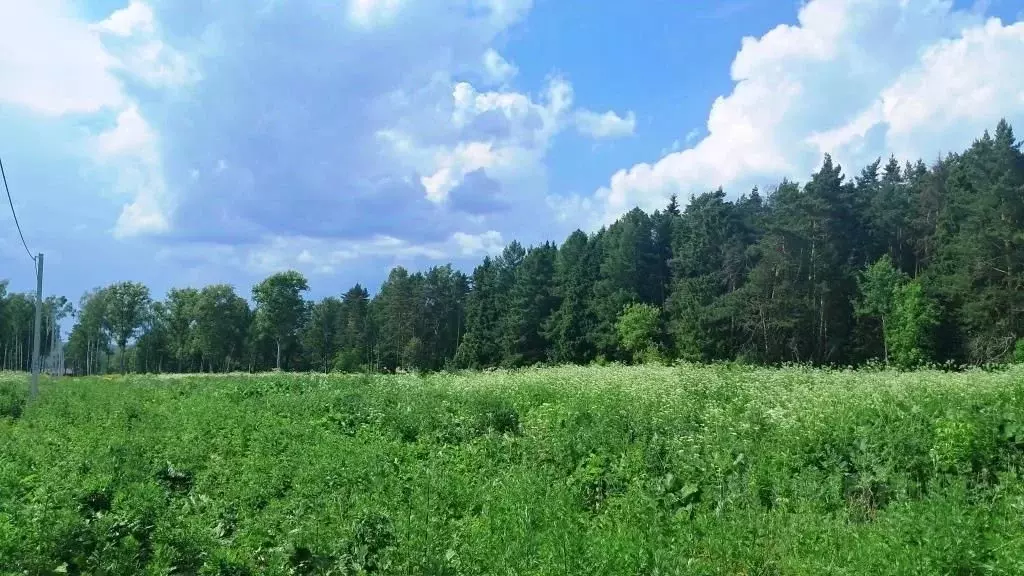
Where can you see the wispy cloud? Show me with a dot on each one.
(914, 93)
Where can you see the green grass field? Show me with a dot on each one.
(557, 471)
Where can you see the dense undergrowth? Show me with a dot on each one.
(556, 471)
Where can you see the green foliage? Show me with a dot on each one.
(880, 287)
(638, 327)
(322, 333)
(569, 324)
(222, 319)
(12, 399)
(126, 309)
(182, 312)
(771, 280)
(625, 259)
(1018, 352)
(616, 470)
(909, 333)
(531, 302)
(280, 309)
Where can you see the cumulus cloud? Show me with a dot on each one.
(132, 37)
(417, 151)
(501, 135)
(223, 126)
(505, 134)
(489, 242)
(234, 135)
(130, 134)
(478, 195)
(326, 256)
(960, 86)
(131, 147)
(858, 78)
(607, 125)
(497, 70)
(53, 64)
(136, 18)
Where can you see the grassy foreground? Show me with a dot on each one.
(555, 471)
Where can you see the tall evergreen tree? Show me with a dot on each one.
(569, 327)
(444, 302)
(397, 315)
(804, 274)
(480, 345)
(321, 338)
(628, 261)
(531, 301)
(353, 351)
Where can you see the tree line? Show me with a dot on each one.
(904, 263)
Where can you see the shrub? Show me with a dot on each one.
(12, 400)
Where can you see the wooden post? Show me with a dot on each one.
(34, 388)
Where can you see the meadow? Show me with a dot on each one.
(604, 470)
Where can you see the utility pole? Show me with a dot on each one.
(34, 389)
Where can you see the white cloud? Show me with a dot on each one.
(675, 147)
(143, 215)
(369, 13)
(55, 64)
(505, 12)
(134, 18)
(132, 37)
(854, 77)
(412, 132)
(131, 148)
(569, 209)
(508, 150)
(51, 63)
(130, 135)
(607, 125)
(489, 242)
(325, 256)
(158, 65)
(497, 70)
(527, 119)
(453, 165)
(961, 87)
(505, 133)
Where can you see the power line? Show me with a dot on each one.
(11, 202)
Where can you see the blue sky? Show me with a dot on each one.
(186, 143)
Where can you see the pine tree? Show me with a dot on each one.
(569, 327)
(480, 346)
(353, 348)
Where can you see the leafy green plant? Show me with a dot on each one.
(714, 470)
(909, 333)
(12, 400)
(638, 327)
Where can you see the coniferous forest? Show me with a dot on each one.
(902, 262)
